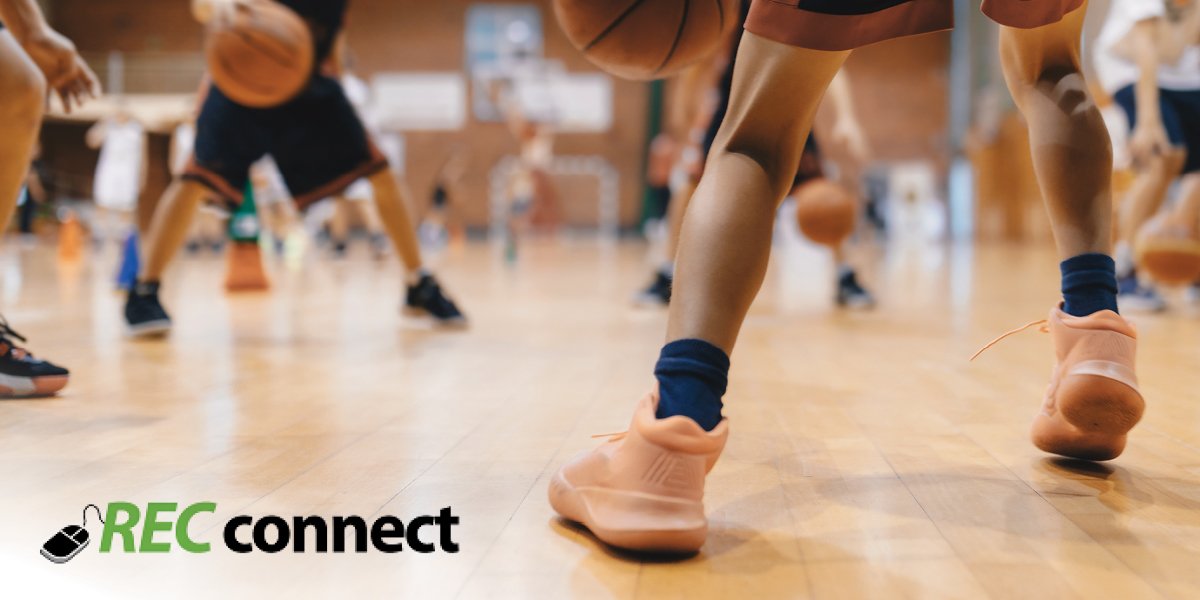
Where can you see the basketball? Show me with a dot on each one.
(825, 212)
(646, 39)
(263, 58)
(1168, 252)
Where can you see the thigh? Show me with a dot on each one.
(20, 79)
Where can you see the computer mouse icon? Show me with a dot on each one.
(65, 544)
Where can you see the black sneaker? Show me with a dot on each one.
(658, 293)
(144, 314)
(852, 295)
(427, 300)
(21, 373)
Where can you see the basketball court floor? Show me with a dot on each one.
(868, 458)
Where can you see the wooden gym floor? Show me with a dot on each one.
(868, 457)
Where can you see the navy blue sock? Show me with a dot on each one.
(692, 375)
(1089, 284)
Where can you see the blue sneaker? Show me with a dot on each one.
(1133, 296)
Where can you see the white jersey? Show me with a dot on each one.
(119, 172)
(1117, 71)
(183, 143)
(268, 183)
(359, 94)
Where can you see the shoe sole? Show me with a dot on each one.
(1101, 410)
(148, 329)
(420, 313)
(26, 387)
(633, 508)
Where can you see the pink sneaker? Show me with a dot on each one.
(643, 489)
(1093, 399)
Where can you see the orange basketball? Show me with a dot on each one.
(646, 39)
(264, 57)
(825, 212)
(1168, 251)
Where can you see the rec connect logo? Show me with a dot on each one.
(130, 529)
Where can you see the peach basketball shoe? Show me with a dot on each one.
(643, 489)
(1093, 400)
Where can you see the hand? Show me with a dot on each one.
(849, 135)
(66, 73)
(217, 13)
(1149, 139)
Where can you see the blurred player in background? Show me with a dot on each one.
(120, 172)
(34, 60)
(320, 147)
(533, 200)
(1148, 58)
(357, 203)
(699, 104)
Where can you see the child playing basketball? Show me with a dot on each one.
(33, 59)
(644, 489)
(690, 98)
(1148, 58)
(320, 146)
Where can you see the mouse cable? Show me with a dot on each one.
(99, 515)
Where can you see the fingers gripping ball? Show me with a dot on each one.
(263, 56)
(646, 39)
(825, 212)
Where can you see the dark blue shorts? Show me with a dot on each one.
(316, 139)
(1180, 116)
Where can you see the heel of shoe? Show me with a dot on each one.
(632, 520)
(1098, 404)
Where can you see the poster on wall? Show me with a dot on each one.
(420, 101)
(504, 53)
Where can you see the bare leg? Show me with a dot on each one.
(393, 212)
(675, 212)
(1146, 195)
(1072, 153)
(170, 226)
(22, 97)
(339, 223)
(726, 237)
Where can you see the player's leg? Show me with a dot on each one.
(721, 263)
(22, 101)
(1145, 198)
(339, 226)
(22, 98)
(170, 226)
(168, 231)
(726, 236)
(1093, 399)
(424, 296)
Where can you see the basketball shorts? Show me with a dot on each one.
(316, 139)
(1180, 111)
(835, 25)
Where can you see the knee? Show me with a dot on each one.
(1027, 66)
(23, 98)
(1171, 163)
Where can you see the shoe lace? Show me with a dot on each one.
(1043, 326)
(613, 437)
(6, 332)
